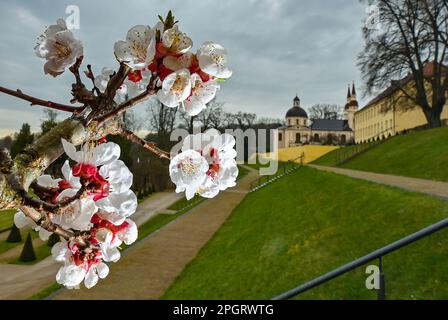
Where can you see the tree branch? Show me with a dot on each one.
(115, 82)
(44, 222)
(151, 146)
(35, 101)
(89, 74)
(126, 105)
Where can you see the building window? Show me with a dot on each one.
(316, 137)
(297, 121)
(279, 137)
(297, 137)
(343, 139)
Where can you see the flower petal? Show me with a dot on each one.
(103, 270)
(59, 251)
(118, 175)
(91, 279)
(70, 275)
(124, 203)
(110, 254)
(44, 235)
(70, 150)
(106, 153)
(21, 220)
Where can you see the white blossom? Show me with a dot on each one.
(218, 152)
(175, 41)
(117, 197)
(59, 47)
(201, 94)
(176, 87)
(212, 58)
(188, 171)
(139, 49)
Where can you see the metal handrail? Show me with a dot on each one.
(292, 162)
(377, 254)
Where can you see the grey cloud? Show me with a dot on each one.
(277, 48)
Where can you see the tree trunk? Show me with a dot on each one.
(31, 162)
(433, 116)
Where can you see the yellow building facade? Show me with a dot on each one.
(390, 113)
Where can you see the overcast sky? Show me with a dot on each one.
(277, 48)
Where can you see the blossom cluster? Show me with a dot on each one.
(206, 164)
(98, 185)
(93, 197)
(161, 54)
(185, 78)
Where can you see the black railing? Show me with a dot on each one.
(356, 150)
(353, 151)
(377, 254)
(283, 169)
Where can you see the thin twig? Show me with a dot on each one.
(116, 81)
(79, 91)
(125, 106)
(89, 74)
(44, 222)
(150, 91)
(68, 201)
(151, 146)
(35, 101)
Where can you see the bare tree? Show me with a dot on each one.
(161, 120)
(245, 120)
(186, 121)
(411, 45)
(325, 111)
(212, 116)
(131, 121)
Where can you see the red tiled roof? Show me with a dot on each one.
(428, 71)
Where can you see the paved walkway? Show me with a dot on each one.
(434, 188)
(150, 266)
(21, 281)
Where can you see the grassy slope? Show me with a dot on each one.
(421, 154)
(332, 158)
(6, 219)
(309, 223)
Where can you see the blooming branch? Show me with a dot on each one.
(90, 204)
(36, 101)
(151, 146)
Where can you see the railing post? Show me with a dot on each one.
(382, 289)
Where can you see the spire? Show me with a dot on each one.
(296, 101)
(348, 91)
(353, 90)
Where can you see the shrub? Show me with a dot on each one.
(28, 250)
(14, 235)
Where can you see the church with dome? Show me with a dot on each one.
(299, 129)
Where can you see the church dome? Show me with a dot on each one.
(296, 112)
(352, 103)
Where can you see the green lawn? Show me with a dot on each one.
(257, 165)
(6, 219)
(332, 158)
(422, 154)
(5, 246)
(242, 172)
(45, 292)
(41, 252)
(310, 222)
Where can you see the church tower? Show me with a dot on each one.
(351, 106)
